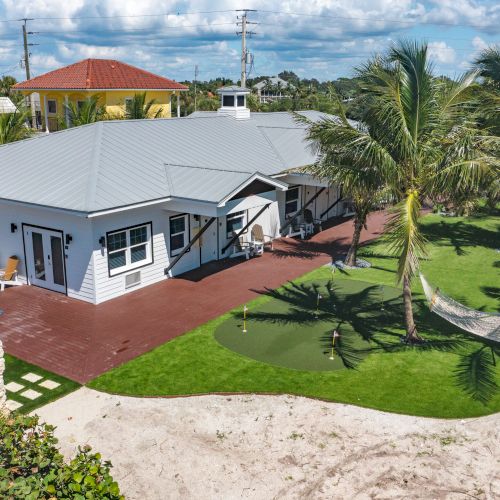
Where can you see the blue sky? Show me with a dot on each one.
(324, 39)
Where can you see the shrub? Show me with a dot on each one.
(31, 466)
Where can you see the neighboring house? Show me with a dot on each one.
(272, 89)
(103, 209)
(6, 105)
(113, 81)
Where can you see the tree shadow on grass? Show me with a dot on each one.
(374, 314)
(459, 235)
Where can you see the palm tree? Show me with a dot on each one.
(14, 126)
(6, 84)
(361, 184)
(89, 112)
(488, 65)
(421, 138)
(137, 108)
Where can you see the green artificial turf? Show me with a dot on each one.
(295, 329)
(15, 369)
(463, 263)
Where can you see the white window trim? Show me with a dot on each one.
(51, 112)
(297, 189)
(128, 254)
(173, 253)
(236, 215)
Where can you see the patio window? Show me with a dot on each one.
(241, 100)
(234, 223)
(291, 201)
(179, 233)
(129, 248)
(52, 106)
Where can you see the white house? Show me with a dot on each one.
(104, 209)
(272, 89)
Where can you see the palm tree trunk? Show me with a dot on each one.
(411, 329)
(352, 254)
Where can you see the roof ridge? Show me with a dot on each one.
(94, 167)
(208, 168)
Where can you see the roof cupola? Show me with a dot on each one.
(234, 102)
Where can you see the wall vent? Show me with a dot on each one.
(133, 279)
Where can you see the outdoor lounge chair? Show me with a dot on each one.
(310, 222)
(259, 240)
(241, 248)
(8, 275)
(296, 229)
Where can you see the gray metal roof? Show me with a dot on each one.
(273, 80)
(119, 163)
(232, 88)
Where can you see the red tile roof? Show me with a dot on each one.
(97, 74)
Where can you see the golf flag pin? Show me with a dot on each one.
(245, 310)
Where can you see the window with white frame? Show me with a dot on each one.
(292, 201)
(234, 223)
(129, 248)
(179, 233)
(52, 106)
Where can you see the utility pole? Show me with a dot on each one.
(195, 80)
(27, 67)
(244, 32)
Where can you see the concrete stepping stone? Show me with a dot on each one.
(49, 384)
(14, 387)
(12, 405)
(31, 394)
(32, 377)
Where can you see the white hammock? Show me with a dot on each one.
(485, 325)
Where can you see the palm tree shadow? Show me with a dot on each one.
(365, 317)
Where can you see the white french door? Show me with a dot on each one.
(45, 258)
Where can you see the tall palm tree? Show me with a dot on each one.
(6, 84)
(14, 126)
(89, 112)
(488, 64)
(361, 184)
(138, 108)
(421, 137)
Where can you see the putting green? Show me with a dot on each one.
(292, 331)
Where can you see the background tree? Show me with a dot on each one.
(138, 108)
(14, 126)
(88, 112)
(6, 84)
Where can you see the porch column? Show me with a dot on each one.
(178, 104)
(46, 113)
(66, 113)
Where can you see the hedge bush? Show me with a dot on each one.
(31, 466)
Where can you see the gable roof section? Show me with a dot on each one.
(99, 74)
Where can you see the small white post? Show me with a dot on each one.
(46, 112)
(66, 112)
(178, 104)
(3, 393)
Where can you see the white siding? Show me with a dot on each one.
(78, 253)
(107, 287)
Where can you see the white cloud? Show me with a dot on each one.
(442, 52)
(478, 43)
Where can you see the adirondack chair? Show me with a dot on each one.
(241, 248)
(296, 228)
(259, 239)
(310, 222)
(8, 275)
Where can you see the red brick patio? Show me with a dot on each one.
(81, 341)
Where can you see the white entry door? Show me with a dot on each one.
(45, 258)
(208, 240)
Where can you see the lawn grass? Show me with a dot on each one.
(14, 370)
(463, 261)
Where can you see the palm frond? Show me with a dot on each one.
(475, 374)
(405, 237)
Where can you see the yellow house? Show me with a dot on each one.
(113, 81)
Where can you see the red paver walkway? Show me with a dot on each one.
(80, 340)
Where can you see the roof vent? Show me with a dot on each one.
(234, 102)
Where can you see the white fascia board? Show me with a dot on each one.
(282, 186)
(78, 213)
(303, 180)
